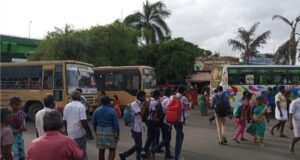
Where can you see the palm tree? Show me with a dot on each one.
(247, 43)
(150, 21)
(289, 48)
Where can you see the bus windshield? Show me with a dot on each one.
(149, 78)
(80, 76)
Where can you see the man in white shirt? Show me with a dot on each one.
(136, 128)
(295, 120)
(49, 104)
(166, 128)
(152, 123)
(281, 112)
(75, 121)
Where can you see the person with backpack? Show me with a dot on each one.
(221, 106)
(240, 114)
(175, 116)
(166, 127)
(152, 122)
(136, 127)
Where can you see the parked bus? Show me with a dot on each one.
(125, 81)
(258, 79)
(32, 80)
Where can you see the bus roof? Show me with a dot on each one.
(44, 62)
(262, 66)
(119, 67)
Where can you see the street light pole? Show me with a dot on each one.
(29, 29)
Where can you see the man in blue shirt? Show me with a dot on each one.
(106, 127)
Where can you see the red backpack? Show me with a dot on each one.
(174, 110)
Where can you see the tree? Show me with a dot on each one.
(247, 43)
(150, 22)
(113, 44)
(172, 59)
(287, 52)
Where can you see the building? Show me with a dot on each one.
(262, 59)
(208, 71)
(16, 49)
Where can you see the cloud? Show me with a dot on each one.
(210, 23)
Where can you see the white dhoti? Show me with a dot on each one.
(284, 116)
(296, 125)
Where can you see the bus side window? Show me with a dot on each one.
(58, 78)
(48, 79)
(294, 75)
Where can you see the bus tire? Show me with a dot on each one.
(33, 109)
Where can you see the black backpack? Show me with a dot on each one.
(221, 107)
(158, 115)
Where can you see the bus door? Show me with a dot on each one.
(58, 87)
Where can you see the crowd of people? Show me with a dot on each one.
(64, 135)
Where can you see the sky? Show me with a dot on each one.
(207, 23)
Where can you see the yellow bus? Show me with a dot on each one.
(32, 80)
(125, 81)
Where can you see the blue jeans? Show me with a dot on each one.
(137, 136)
(179, 139)
(82, 145)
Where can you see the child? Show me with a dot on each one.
(18, 127)
(7, 137)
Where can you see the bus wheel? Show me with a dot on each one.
(33, 109)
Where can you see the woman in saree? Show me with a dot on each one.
(202, 103)
(258, 125)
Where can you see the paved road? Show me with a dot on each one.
(200, 143)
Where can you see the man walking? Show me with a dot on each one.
(166, 128)
(152, 124)
(280, 111)
(49, 104)
(75, 121)
(136, 128)
(179, 125)
(221, 106)
(295, 120)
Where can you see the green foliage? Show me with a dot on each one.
(113, 44)
(172, 59)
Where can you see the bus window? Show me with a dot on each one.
(109, 81)
(58, 81)
(21, 77)
(118, 81)
(263, 76)
(280, 76)
(48, 79)
(80, 76)
(294, 75)
(233, 77)
(246, 76)
(149, 78)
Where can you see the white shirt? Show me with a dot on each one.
(39, 123)
(164, 103)
(152, 106)
(184, 103)
(295, 108)
(74, 112)
(136, 108)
